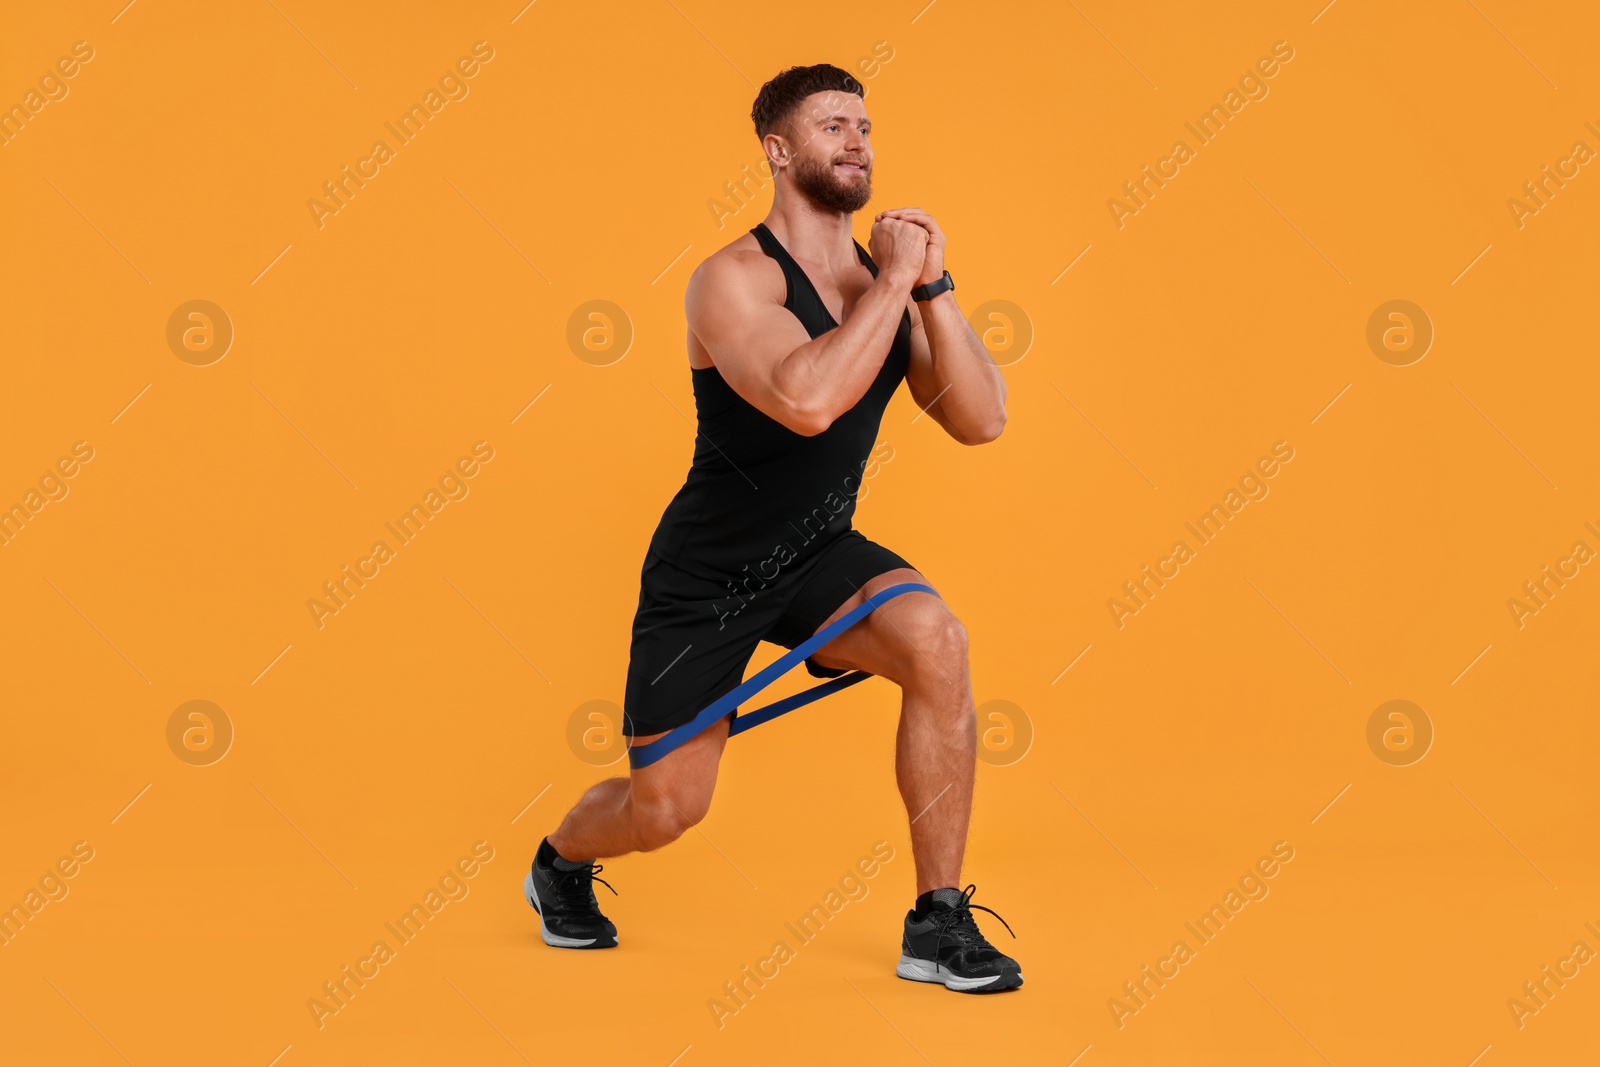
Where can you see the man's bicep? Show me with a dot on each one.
(746, 334)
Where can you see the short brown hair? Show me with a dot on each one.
(780, 96)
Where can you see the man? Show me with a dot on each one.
(797, 339)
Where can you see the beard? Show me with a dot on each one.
(823, 187)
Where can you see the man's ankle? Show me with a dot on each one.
(549, 856)
(941, 897)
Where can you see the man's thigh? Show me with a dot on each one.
(690, 644)
(887, 642)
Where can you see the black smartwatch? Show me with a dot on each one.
(934, 288)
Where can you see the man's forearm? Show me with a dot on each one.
(826, 376)
(971, 390)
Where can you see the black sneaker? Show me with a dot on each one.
(569, 915)
(946, 946)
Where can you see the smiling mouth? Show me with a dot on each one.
(852, 166)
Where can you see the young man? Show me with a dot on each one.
(797, 339)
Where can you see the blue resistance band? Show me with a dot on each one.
(644, 755)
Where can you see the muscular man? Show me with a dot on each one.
(797, 339)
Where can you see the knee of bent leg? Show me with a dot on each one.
(662, 817)
(936, 639)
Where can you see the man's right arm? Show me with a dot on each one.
(768, 358)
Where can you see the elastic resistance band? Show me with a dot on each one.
(644, 755)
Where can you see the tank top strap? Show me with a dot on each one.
(774, 248)
(771, 245)
(865, 257)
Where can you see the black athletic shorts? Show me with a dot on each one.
(693, 636)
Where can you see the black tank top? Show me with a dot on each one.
(758, 494)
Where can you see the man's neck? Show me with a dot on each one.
(814, 234)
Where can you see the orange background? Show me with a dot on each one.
(369, 354)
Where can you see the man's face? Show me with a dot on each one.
(832, 151)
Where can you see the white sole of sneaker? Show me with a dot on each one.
(554, 940)
(919, 970)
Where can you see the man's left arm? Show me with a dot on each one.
(951, 375)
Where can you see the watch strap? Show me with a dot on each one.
(933, 288)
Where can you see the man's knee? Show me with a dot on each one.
(661, 818)
(936, 640)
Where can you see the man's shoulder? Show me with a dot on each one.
(742, 264)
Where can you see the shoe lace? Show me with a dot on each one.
(577, 884)
(957, 922)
